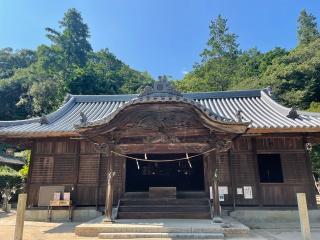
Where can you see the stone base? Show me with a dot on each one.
(81, 214)
(260, 218)
(161, 228)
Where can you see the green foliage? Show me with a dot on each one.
(36, 82)
(10, 176)
(9, 179)
(314, 107)
(315, 159)
(221, 43)
(307, 28)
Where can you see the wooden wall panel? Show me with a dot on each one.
(294, 167)
(86, 195)
(244, 170)
(66, 147)
(279, 143)
(64, 169)
(87, 147)
(42, 170)
(283, 194)
(44, 147)
(89, 169)
(241, 144)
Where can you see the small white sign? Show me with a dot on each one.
(239, 191)
(211, 193)
(247, 190)
(221, 197)
(223, 190)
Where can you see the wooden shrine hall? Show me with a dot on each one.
(163, 154)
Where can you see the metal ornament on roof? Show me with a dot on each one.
(44, 120)
(83, 118)
(161, 88)
(293, 114)
(239, 116)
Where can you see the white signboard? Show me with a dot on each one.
(211, 193)
(221, 197)
(247, 191)
(223, 190)
(239, 191)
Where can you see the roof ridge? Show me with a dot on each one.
(193, 95)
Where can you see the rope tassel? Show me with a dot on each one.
(138, 166)
(187, 157)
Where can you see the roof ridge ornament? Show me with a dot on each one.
(293, 113)
(161, 88)
(83, 119)
(44, 120)
(239, 116)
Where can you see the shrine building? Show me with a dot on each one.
(163, 144)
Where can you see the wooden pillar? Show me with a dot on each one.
(256, 166)
(312, 190)
(232, 180)
(303, 215)
(21, 208)
(28, 183)
(216, 201)
(76, 171)
(109, 190)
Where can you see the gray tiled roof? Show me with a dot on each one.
(10, 160)
(257, 107)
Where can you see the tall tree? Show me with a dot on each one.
(307, 28)
(221, 43)
(73, 40)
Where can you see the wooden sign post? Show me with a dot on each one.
(21, 208)
(303, 215)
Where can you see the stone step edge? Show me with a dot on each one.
(161, 235)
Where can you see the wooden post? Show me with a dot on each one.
(22, 201)
(303, 215)
(109, 193)
(216, 202)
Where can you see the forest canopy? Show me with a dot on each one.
(35, 82)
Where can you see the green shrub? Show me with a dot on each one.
(10, 176)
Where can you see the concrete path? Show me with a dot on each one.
(65, 231)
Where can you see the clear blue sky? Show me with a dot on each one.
(161, 37)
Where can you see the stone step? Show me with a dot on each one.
(179, 195)
(164, 208)
(141, 201)
(164, 215)
(161, 235)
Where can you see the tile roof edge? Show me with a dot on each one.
(283, 109)
(51, 117)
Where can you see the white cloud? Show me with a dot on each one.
(184, 72)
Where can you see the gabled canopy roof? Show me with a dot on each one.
(256, 106)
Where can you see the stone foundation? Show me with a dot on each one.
(272, 218)
(62, 215)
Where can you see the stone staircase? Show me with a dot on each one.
(187, 205)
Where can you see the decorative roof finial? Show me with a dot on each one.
(44, 120)
(269, 90)
(161, 88)
(293, 113)
(83, 118)
(239, 116)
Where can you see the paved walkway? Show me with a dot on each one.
(65, 231)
